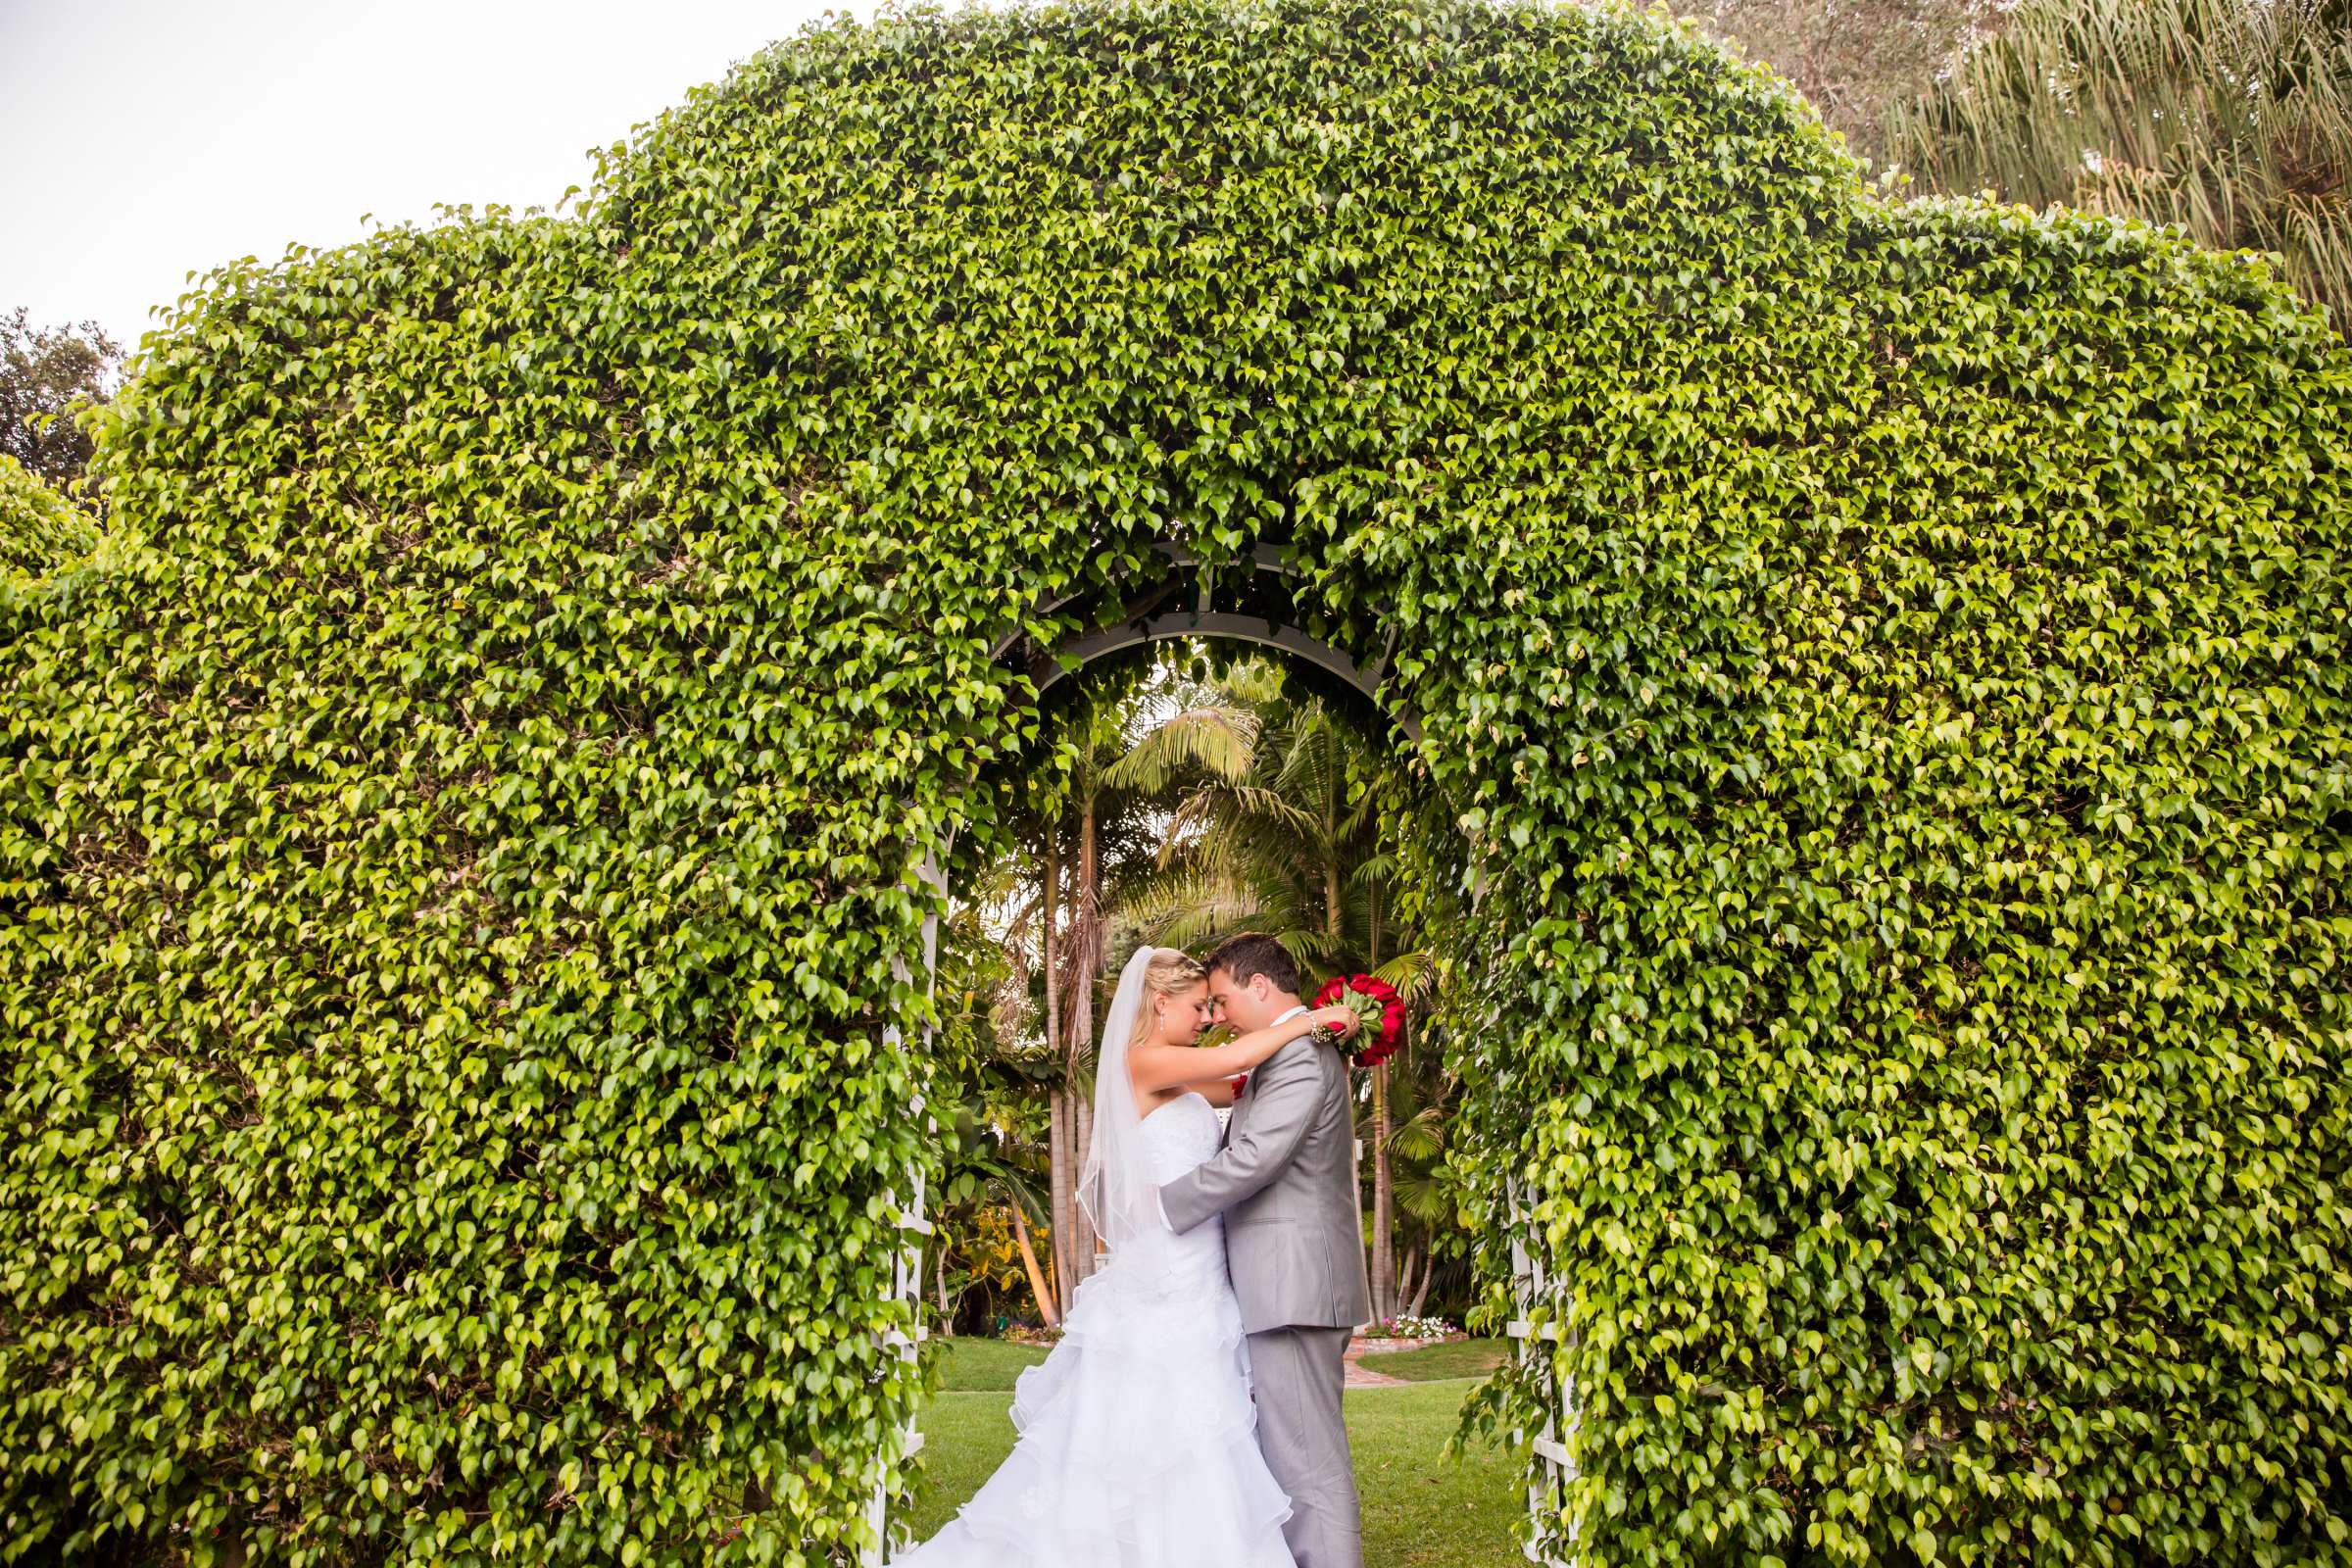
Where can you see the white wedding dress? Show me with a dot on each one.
(1138, 1439)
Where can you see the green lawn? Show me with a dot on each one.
(984, 1366)
(1456, 1358)
(1418, 1513)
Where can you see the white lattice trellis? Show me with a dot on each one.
(907, 1285)
(1531, 1283)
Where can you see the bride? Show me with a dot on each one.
(1138, 1441)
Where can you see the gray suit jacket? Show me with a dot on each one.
(1285, 1179)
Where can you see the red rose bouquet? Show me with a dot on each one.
(1379, 1011)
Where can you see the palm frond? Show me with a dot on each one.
(1304, 767)
(1229, 804)
(1016, 1188)
(1187, 905)
(1218, 741)
(1426, 1197)
(1420, 1137)
(1413, 975)
(1310, 945)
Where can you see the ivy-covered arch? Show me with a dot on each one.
(464, 831)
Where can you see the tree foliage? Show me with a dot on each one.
(45, 374)
(1855, 61)
(461, 847)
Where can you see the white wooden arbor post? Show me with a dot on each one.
(907, 1285)
(1530, 1285)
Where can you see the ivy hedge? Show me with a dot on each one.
(459, 845)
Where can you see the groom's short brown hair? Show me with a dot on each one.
(1254, 952)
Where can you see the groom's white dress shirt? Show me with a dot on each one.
(1155, 1202)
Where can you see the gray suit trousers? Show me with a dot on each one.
(1295, 1374)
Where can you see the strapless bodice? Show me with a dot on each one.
(1180, 1135)
(1171, 1140)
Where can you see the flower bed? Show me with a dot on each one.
(1404, 1333)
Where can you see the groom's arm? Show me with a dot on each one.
(1284, 1091)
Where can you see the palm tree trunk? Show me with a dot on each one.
(1384, 1181)
(1047, 1307)
(1421, 1290)
(1331, 930)
(1331, 898)
(1056, 1095)
(1064, 1199)
(1088, 960)
(1384, 1201)
(1082, 1142)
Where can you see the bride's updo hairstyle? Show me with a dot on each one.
(1171, 971)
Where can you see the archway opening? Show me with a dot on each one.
(1318, 755)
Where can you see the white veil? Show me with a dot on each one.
(1115, 1188)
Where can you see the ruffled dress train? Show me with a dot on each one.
(1138, 1444)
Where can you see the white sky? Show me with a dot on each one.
(142, 140)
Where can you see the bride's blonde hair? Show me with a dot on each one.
(1171, 971)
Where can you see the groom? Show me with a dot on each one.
(1284, 1179)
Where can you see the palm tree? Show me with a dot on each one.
(2232, 118)
(990, 1054)
(1271, 844)
(989, 1167)
(1415, 1093)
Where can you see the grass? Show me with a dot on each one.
(1456, 1358)
(969, 1365)
(1418, 1512)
